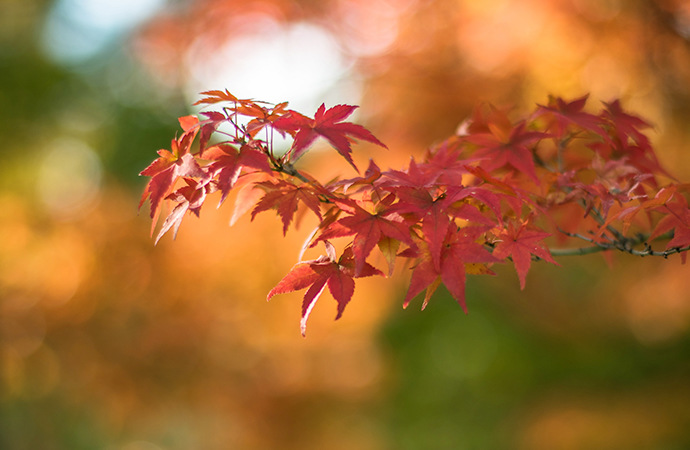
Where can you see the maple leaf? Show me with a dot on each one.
(626, 215)
(514, 196)
(328, 124)
(625, 139)
(435, 212)
(228, 163)
(460, 248)
(602, 185)
(371, 175)
(263, 117)
(505, 144)
(324, 271)
(462, 202)
(413, 177)
(164, 171)
(520, 243)
(564, 114)
(641, 159)
(370, 229)
(172, 164)
(188, 198)
(625, 125)
(445, 163)
(248, 194)
(485, 117)
(207, 127)
(435, 226)
(217, 96)
(431, 211)
(284, 197)
(678, 220)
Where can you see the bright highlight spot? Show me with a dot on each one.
(76, 30)
(370, 27)
(300, 63)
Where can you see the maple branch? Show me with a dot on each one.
(289, 169)
(603, 248)
(625, 245)
(596, 214)
(577, 251)
(416, 207)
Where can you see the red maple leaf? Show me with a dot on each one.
(432, 212)
(207, 127)
(413, 177)
(316, 274)
(189, 198)
(171, 165)
(514, 196)
(520, 243)
(369, 228)
(459, 198)
(565, 114)
(263, 116)
(368, 181)
(445, 162)
(248, 195)
(284, 197)
(626, 125)
(626, 215)
(328, 124)
(504, 144)
(228, 163)
(435, 213)
(217, 96)
(460, 248)
(625, 139)
(677, 219)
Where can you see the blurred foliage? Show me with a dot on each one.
(106, 100)
(554, 368)
(108, 342)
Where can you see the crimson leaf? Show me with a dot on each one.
(328, 124)
(317, 274)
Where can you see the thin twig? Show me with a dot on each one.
(625, 244)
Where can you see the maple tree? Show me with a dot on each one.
(492, 193)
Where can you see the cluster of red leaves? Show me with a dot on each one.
(489, 194)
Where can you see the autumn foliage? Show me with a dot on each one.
(495, 192)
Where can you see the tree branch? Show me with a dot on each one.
(625, 245)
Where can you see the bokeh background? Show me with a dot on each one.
(107, 342)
